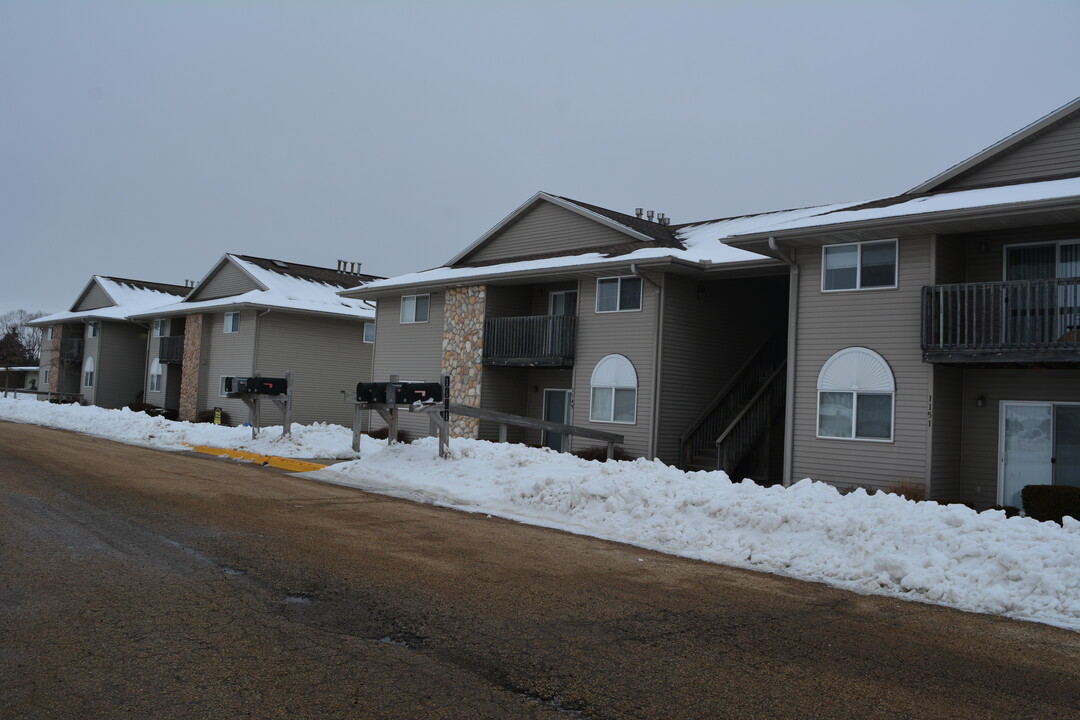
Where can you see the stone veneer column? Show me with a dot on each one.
(189, 375)
(54, 358)
(463, 352)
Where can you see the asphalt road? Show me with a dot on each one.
(146, 584)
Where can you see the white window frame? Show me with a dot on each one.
(155, 376)
(883, 387)
(91, 329)
(609, 416)
(159, 328)
(370, 325)
(858, 266)
(45, 376)
(236, 329)
(88, 372)
(413, 320)
(618, 294)
(49, 333)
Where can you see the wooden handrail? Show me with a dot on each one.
(732, 379)
(749, 405)
(527, 422)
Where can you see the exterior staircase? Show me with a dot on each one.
(741, 416)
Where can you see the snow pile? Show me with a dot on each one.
(881, 544)
(136, 428)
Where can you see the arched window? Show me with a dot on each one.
(155, 375)
(855, 396)
(614, 391)
(88, 372)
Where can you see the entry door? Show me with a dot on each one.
(1027, 449)
(1040, 446)
(556, 409)
(563, 302)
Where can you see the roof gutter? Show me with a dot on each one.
(787, 255)
(368, 292)
(893, 221)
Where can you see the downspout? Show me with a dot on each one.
(793, 321)
(255, 343)
(657, 359)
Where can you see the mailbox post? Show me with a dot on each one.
(251, 389)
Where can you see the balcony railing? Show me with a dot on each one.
(171, 349)
(1015, 321)
(71, 349)
(534, 341)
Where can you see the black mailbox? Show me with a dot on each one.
(401, 393)
(371, 392)
(425, 392)
(256, 385)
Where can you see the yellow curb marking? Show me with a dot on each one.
(270, 460)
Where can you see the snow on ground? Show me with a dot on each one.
(881, 544)
(136, 428)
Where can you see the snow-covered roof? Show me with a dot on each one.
(906, 207)
(701, 245)
(129, 297)
(278, 290)
(25, 368)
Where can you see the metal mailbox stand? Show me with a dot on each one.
(284, 404)
(438, 416)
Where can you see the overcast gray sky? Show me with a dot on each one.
(145, 139)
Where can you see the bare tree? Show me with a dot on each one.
(28, 338)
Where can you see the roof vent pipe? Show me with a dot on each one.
(650, 215)
(639, 212)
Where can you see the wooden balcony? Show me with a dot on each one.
(171, 350)
(1021, 321)
(534, 341)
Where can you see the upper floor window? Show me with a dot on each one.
(232, 322)
(159, 327)
(88, 372)
(92, 329)
(618, 294)
(49, 333)
(369, 332)
(859, 266)
(614, 391)
(414, 308)
(855, 396)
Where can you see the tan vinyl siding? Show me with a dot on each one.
(950, 254)
(986, 251)
(631, 334)
(412, 351)
(327, 358)
(504, 389)
(547, 228)
(153, 350)
(981, 425)
(888, 322)
(95, 298)
(90, 349)
(947, 442)
(121, 362)
(227, 354)
(509, 300)
(1052, 153)
(710, 329)
(228, 280)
